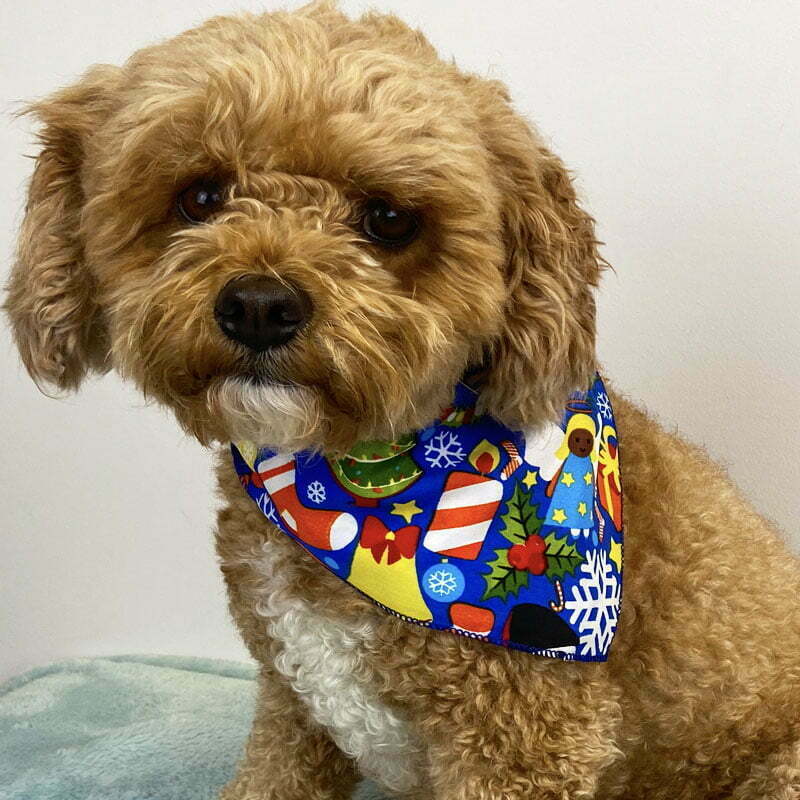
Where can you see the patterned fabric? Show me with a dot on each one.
(512, 537)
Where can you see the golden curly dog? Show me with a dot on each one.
(410, 224)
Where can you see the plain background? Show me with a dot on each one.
(681, 121)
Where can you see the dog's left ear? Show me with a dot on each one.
(50, 300)
(547, 346)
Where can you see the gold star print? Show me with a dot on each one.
(559, 515)
(530, 478)
(587, 478)
(616, 554)
(582, 508)
(567, 479)
(406, 510)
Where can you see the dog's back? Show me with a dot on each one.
(708, 649)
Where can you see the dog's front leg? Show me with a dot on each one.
(288, 756)
(505, 734)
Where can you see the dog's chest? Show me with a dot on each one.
(322, 660)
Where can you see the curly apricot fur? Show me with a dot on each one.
(301, 115)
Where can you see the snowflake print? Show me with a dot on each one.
(595, 604)
(603, 405)
(444, 450)
(442, 582)
(316, 492)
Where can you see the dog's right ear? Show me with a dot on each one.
(50, 302)
(546, 349)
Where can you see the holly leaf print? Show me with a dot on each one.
(563, 557)
(503, 580)
(520, 520)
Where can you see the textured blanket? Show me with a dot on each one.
(126, 728)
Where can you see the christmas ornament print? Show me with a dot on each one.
(374, 470)
(507, 536)
(443, 582)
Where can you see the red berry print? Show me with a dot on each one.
(535, 544)
(537, 565)
(518, 556)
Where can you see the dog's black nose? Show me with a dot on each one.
(261, 312)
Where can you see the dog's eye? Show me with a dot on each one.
(389, 225)
(198, 201)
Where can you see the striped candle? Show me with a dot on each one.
(465, 511)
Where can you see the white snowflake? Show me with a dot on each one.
(444, 450)
(268, 508)
(603, 405)
(442, 582)
(316, 492)
(595, 604)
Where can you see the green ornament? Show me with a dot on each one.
(373, 470)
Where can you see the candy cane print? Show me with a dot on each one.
(601, 523)
(318, 527)
(514, 459)
(558, 606)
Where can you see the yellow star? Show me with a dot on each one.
(582, 508)
(406, 510)
(559, 515)
(616, 554)
(530, 478)
(587, 478)
(567, 479)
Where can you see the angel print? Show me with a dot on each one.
(571, 490)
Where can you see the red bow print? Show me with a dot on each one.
(377, 538)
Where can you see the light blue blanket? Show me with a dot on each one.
(126, 728)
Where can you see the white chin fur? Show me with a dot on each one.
(283, 418)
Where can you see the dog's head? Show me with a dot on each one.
(302, 229)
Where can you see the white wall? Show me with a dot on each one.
(682, 122)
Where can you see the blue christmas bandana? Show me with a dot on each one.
(512, 537)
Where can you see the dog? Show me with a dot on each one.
(303, 230)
